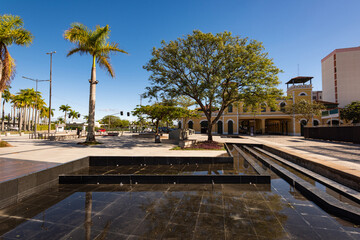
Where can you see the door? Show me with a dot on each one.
(220, 127)
(204, 126)
(230, 127)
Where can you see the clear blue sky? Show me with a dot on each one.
(295, 32)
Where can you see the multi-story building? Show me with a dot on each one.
(236, 119)
(341, 76)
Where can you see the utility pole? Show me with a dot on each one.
(51, 53)
(36, 103)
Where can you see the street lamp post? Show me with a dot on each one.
(51, 53)
(36, 104)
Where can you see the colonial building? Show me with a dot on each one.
(236, 119)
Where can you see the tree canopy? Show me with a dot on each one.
(160, 112)
(304, 109)
(214, 70)
(351, 112)
(114, 122)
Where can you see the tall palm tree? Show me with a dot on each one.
(94, 43)
(65, 109)
(11, 32)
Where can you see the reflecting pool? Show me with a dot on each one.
(220, 211)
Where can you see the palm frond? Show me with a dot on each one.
(81, 50)
(104, 62)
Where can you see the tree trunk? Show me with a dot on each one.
(91, 126)
(20, 120)
(14, 115)
(3, 115)
(210, 138)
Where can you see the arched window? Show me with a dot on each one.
(282, 106)
(263, 107)
(179, 124)
(316, 122)
(191, 124)
(230, 108)
(302, 94)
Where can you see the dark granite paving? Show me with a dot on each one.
(13, 168)
(172, 212)
(182, 169)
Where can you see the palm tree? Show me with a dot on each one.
(74, 114)
(11, 31)
(93, 42)
(65, 109)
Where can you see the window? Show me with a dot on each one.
(315, 122)
(230, 108)
(263, 107)
(302, 94)
(245, 109)
(282, 106)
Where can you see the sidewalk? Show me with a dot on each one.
(338, 155)
(30, 155)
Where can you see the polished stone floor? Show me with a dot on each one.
(182, 169)
(223, 211)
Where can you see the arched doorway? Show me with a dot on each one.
(230, 127)
(179, 125)
(302, 125)
(204, 126)
(220, 127)
(190, 125)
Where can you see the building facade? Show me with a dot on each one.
(341, 76)
(236, 119)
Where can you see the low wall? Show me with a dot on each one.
(14, 190)
(337, 133)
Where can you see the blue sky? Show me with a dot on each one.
(294, 32)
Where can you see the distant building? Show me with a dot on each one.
(316, 95)
(237, 119)
(341, 76)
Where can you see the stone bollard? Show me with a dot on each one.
(22, 133)
(7, 134)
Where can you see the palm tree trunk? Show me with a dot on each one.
(3, 116)
(65, 117)
(91, 127)
(20, 119)
(14, 115)
(32, 119)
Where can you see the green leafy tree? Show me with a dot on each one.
(114, 122)
(95, 44)
(60, 120)
(159, 112)
(351, 112)
(304, 109)
(65, 108)
(186, 102)
(214, 70)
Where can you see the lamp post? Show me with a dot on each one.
(51, 53)
(36, 103)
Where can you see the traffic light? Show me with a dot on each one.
(128, 114)
(121, 113)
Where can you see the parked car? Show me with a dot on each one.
(101, 130)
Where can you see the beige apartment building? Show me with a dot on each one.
(341, 76)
